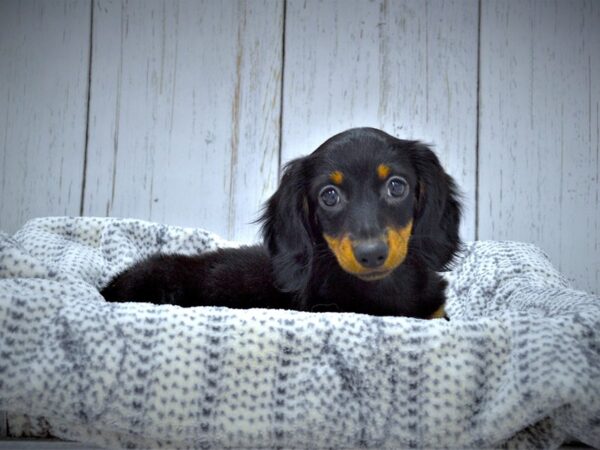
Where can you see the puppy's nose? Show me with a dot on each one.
(371, 253)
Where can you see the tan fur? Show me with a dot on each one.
(383, 171)
(336, 177)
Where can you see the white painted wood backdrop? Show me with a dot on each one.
(539, 145)
(44, 54)
(182, 112)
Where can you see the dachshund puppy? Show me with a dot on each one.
(360, 225)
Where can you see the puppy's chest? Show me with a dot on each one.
(341, 292)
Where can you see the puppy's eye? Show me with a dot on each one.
(397, 187)
(329, 196)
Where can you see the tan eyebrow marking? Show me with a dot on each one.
(383, 171)
(336, 177)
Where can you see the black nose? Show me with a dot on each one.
(371, 254)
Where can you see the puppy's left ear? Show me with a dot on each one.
(437, 214)
(287, 232)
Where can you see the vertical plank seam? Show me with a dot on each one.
(281, 96)
(235, 119)
(111, 202)
(3, 425)
(87, 120)
(478, 120)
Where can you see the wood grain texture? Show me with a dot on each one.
(185, 102)
(539, 130)
(408, 67)
(44, 53)
(44, 444)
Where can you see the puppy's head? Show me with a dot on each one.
(371, 198)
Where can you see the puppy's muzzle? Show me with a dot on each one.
(371, 259)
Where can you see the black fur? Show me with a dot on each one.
(296, 269)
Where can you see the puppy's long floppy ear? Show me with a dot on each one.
(286, 230)
(438, 211)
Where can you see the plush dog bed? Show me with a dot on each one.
(518, 364)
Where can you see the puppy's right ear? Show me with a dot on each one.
(287, 232)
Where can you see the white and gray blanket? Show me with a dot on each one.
(518, 364)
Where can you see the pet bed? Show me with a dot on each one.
(517, 365)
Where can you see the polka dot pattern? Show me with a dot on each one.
(517, 366)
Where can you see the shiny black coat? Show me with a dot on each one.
(296, 268)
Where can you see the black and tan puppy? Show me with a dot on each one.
(360, 225)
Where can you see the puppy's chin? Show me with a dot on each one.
(372, 276)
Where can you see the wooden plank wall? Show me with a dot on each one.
(539, 130)
(44, 59)
(182, 112)
(184, 108)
